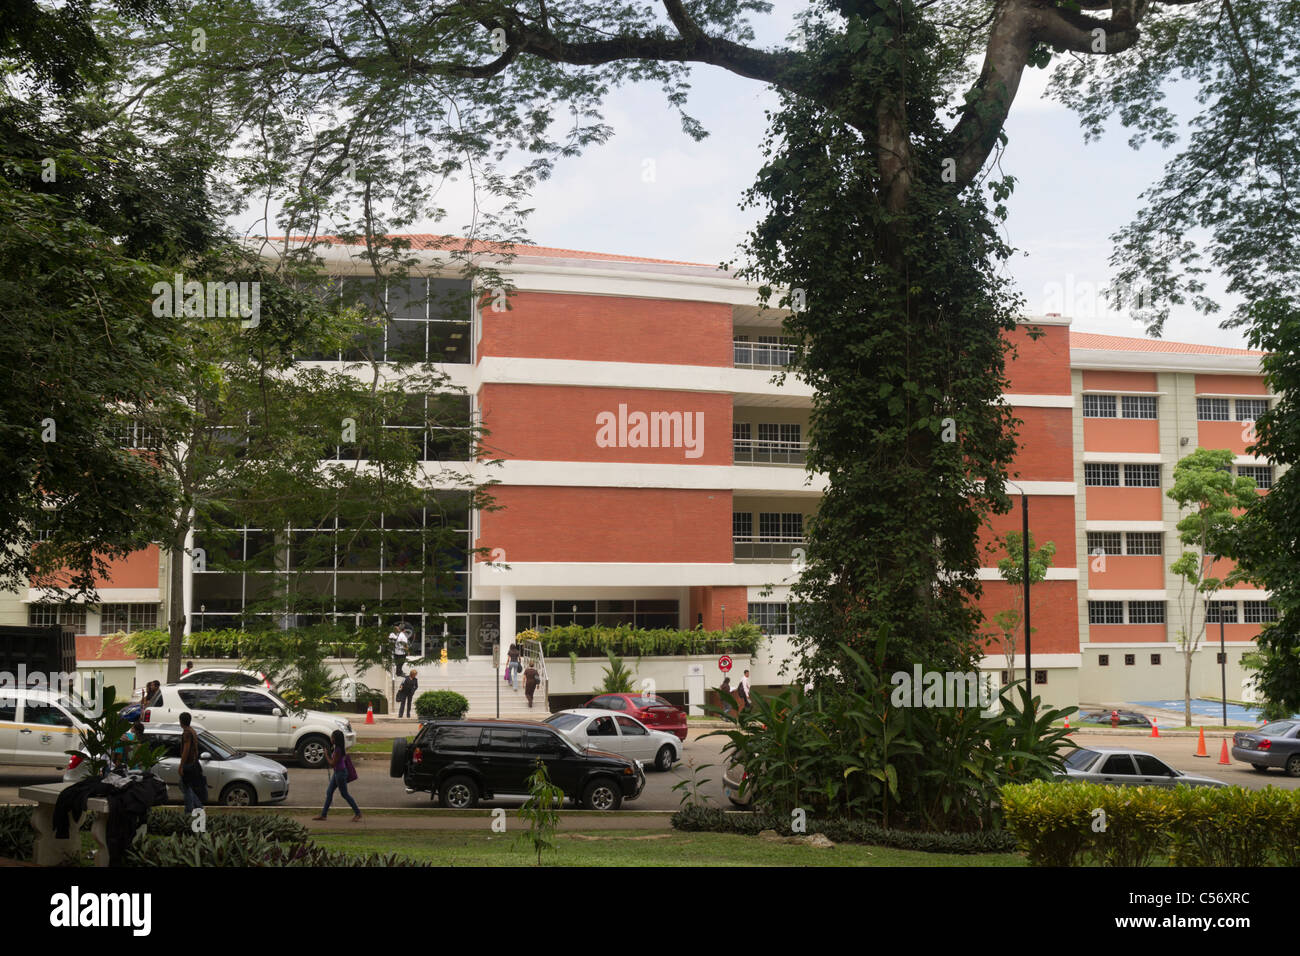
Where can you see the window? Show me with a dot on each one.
(1105, 612)
(1155, 660)
(127, 617)
(1099, 406)
(773, 618)
(251, 702)
(602, 727)
(1139, 406)
(1145, 542)
(9, 708)
(1258, 612)
(1149, 766)
(458, 738)
(129, 433)
(1142, 476)
(741, 431)
(64, 615)
(1263, 474)
(1212, 409)
(780, 526)
(1130, 660)
(1105, 542)
(1250, 409)
(1105, 475)
(630, 728)
(1121, 764)
(1040, 677)
(541, 742)
(505, 740)
(1103, 660)
(742, 525)
(35, 712)
(1221, 611)
(219, 701)
(1146, 612)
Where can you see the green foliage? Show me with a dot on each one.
(618, 679)
(741, 637)
(542, 811)
(691, 787)
(710, 819)
(844, 750)
(270, 826)
(441, 705)
(1011, 568)
(249, 846)
(1079, 824)
(361, 644)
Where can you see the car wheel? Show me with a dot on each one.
(1262, 768)
(313, 751)
(459, 793)
(664, 759)
(238, 795)
(602, 794)
(1293, 765)
(397, 763)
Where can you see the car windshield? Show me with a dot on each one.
(1080, 759)
(76, 705)
(564, 721)
(216, 746)
(1277, 729)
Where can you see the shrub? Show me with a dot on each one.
(740, 638)
(1059, 824)
(441, 705)
(248, 846)
(710, 819)
(272, 826)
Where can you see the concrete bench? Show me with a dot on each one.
(49, 849)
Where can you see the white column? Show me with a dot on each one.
(507, 619)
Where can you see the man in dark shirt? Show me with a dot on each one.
(190, 769)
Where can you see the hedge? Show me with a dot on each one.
(740, 638)
(1081, 824)
(713, 820)
(441, 704)
(248, 846)
(252, 645)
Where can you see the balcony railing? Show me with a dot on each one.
(762, 355)
(766, 547)
(745, 451)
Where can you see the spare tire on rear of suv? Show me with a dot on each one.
(397, 764)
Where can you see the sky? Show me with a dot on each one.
(652, 191)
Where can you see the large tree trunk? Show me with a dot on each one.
(1187, 687)
(176, 558)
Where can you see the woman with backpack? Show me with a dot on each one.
(342, 773)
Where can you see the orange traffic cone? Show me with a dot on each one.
(1067, 725)
(1155, 726)
(1223, 755)
(370, 713)
(1200, 747)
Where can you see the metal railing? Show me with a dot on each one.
(762, 354)
(746, 451)
(768, 547)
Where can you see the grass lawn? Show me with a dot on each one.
(638, 848)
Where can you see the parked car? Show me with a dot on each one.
(653, 711)
(1273, 745)
(1128, 768)
(734, 785)
(463, 761)
(38, 727)
(1125, 718)
(227, 676)
(235, 778)
(619, 734)
(253, 719)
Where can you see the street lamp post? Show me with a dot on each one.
(1223, 668)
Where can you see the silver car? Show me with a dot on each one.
(235, 779)
(618, 734)
(1127, 768)
(1274, 745)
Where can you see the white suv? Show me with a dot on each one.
(252, 719)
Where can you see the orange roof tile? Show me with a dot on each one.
(1121, 343)
(422, 241)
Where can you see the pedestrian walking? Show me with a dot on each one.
(194, 787)
(406, 694)
(742, 689)
(514, 666)
(728, 701)
(342, 773)
(531, 680)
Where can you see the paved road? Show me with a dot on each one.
(376, 789)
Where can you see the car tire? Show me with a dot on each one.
(1293, 765)
(664, 759)
(238, 795)
(458, 793)
(397, 762)
(603, 793)
(1262, 768)
(313, 751)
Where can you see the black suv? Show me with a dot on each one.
(462, 760)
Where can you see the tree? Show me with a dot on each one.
(885, 134)
(1011, 568)
(1204, 483)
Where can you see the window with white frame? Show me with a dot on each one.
(1146, 612)
(65, 615)
(1126, 612)
(742, 525)
(1258, 612)
(1263, 474)
(772, 618)
(1142, 476)
(1220, 611)
(1144, 542)
(1099, 406)
(1104, 542)
(1095, 474)
(127, 617)
(741, 431)
(1250, 409)
(1212, 409)
(1105, 612)
(1139, 406)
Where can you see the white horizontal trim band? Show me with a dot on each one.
(1092, 525)
(106, 596)
(1125, 595)
(1039, 401)
(1053, 574)
(1124, 457)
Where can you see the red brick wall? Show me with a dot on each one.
(1231, 384)
(1046, 445)
(1040, 367)
(1053, 615)
(1051, 518)
(1099, 381)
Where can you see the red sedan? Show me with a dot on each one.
(655, 712)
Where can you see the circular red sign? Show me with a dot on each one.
(724, 663)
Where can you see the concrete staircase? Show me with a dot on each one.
(476, 681)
